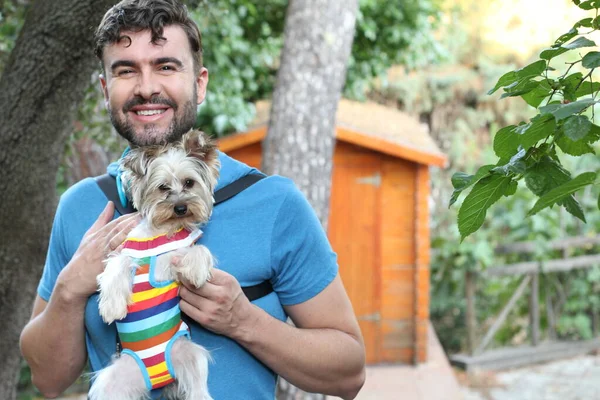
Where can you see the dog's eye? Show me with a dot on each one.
(189, 183)
(163, 188)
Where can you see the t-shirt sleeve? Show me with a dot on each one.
(301, 255)
(56, 258)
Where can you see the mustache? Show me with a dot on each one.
(138, 101)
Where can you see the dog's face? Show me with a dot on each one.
(172, 185)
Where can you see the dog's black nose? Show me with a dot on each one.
(180, 209)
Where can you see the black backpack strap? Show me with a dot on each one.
(257, 291)
(108, 184)
(237, 186)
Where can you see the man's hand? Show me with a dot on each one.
(105, 236)
(219, 305)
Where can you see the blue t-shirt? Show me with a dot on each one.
(267, 232)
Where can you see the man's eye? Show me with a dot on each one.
(189, 183)
(163, 188)
(124, 72)
(167, 68)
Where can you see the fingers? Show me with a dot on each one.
(208, 290)
(219, 277)
(192, 311)
(118, 233)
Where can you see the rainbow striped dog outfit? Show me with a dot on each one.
(153, 320)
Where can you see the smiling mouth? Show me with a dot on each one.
(150, 112)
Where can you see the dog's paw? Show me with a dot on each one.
(194, 264)
(112, 308)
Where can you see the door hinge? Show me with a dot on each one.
(370, 317)
(374, 180)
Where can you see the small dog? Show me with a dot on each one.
(172, 188)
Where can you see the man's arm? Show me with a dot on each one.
(53, 342)
(323, 352)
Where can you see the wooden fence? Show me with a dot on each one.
(478, 356)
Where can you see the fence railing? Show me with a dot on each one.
(530, 272)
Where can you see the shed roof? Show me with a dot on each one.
(368, 125)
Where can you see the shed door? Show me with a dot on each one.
(353, 232)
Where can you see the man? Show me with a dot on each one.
(153, 79)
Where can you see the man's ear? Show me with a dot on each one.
(104, 89)
(201, 84)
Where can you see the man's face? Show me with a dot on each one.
(151, 90)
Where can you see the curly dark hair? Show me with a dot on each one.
(153, 15)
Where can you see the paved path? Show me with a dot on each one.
(433, 380)
(572, 379)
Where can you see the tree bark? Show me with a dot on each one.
(43, 81)
(300, 139)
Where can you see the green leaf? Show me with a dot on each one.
(535, 97)
(574, 208)
(573, 32)
(462, 181)
(579, 43)
(588, 5)
(545, 176)
(512, 77)
(515, 165)
(506, 142)
(473, 210)
(555, 51)
(550, 108)
(511, 188)
(577, 127)
(570, 84)
(521, 87)
(562, 111)
(505, 80)
(594, 133)
(562, 191)
(591, 60)
(540, 127)
(570, 147)
(552, 52)
(587, 88)
(586, 23)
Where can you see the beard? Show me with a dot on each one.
(151, 134)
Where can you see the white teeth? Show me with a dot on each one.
(150, 112)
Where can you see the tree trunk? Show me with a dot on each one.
(43, 81)
(300, 140)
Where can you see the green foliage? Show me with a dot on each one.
(563, 126)
(391, 33)
(243, 41)
(11, 19)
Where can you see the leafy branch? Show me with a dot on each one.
(531, 151)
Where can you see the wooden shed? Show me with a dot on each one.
(378, 223)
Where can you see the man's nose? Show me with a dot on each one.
(147, 86)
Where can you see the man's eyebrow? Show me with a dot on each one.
(167, 60)
(122, 63)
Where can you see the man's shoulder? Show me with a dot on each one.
(80, 204)
(82, 193)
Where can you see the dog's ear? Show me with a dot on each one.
(199, 145)
(137, 159)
